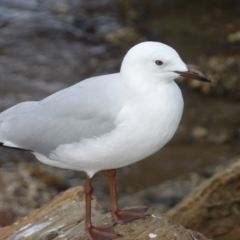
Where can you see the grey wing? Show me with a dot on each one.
(85, 110)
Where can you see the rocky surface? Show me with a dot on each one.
(165, 195)
(30, 186)
(224, 71)
(21, 193)
(63, 218)
(213, 208)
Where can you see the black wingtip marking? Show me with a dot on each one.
(15, 148)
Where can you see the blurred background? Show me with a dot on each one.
(48, 45)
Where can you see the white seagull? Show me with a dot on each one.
(105, 122)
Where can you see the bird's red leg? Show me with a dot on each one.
(122, 216)
(95, 233)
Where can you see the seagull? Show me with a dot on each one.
(105, 122)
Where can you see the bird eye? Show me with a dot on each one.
(159, 63)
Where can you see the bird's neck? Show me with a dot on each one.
(139, 86)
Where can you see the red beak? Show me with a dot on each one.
(194, 74)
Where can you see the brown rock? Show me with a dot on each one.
(214, 207)
(63, 218)
(199, 132)
(21, 193)
(223, 70)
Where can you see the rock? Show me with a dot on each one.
(21, 193)
(219, 137)
(165, 195)
(213, 208)
(61, 7)
(224, 73)
(199, 132)
(118, 36)
(63, 218)
(234, 37)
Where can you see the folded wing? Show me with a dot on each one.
(85, 110)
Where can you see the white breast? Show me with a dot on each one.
(142, 129)
(153, 122)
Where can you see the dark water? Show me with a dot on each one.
(45, 47)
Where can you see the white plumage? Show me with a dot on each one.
(103, 122)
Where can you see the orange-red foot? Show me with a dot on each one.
(128, 215)
(101, 233)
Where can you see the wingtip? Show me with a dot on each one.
(22, 149)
